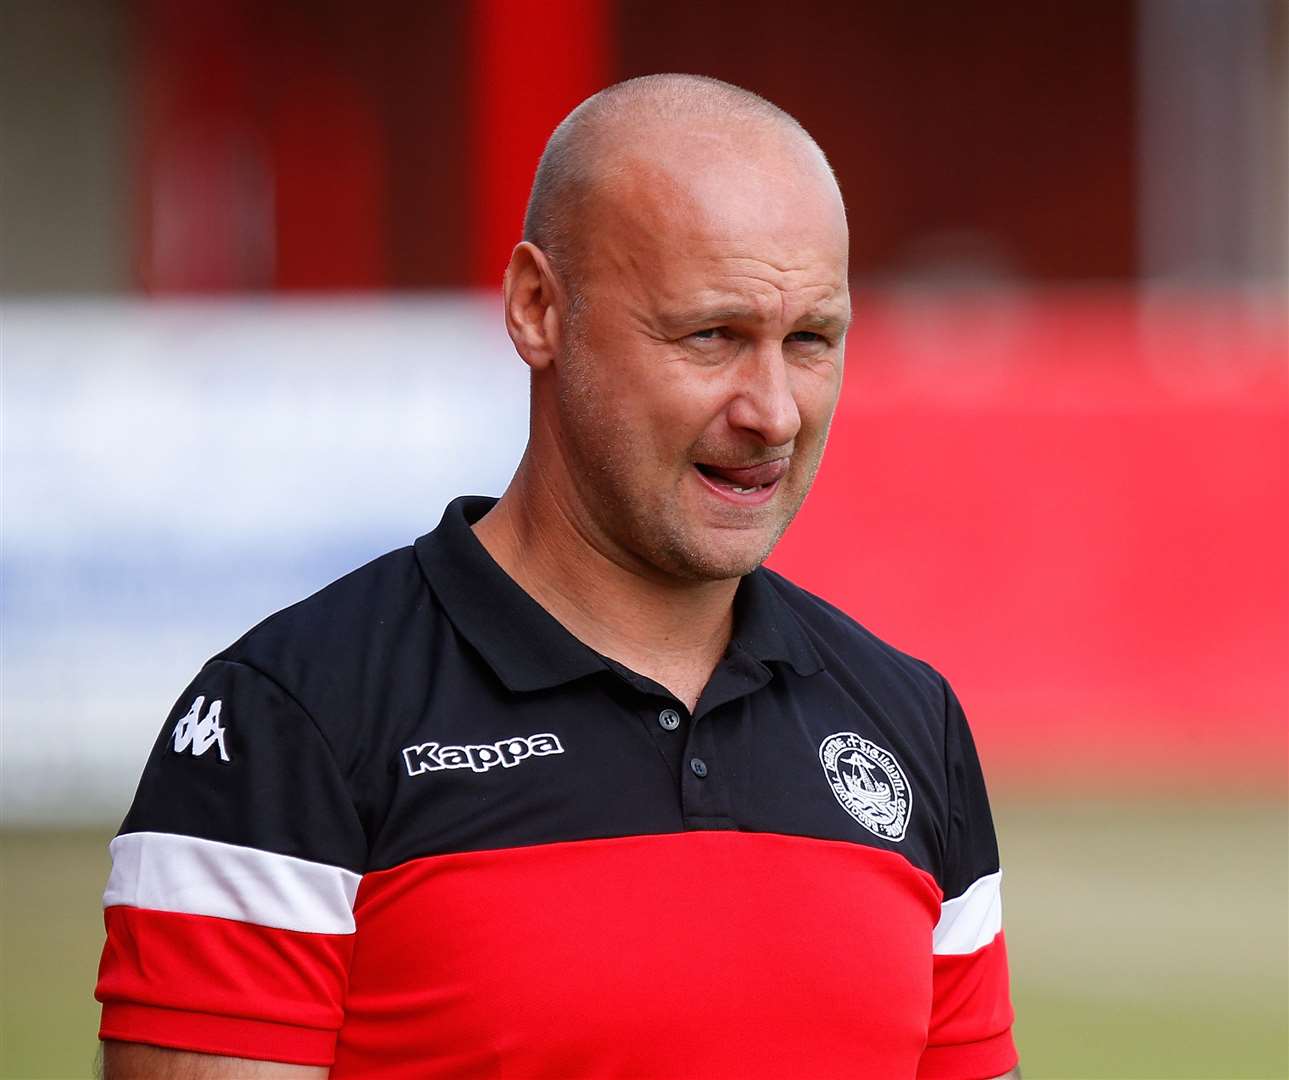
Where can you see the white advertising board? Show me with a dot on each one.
(174, 472)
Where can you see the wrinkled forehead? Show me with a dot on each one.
(753, 190)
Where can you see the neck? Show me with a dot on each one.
(672, 630)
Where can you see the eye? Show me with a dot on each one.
(806, 337)
(712, 333)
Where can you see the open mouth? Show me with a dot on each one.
(744, 480)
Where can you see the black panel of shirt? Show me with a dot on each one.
(349, 720)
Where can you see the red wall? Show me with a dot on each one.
(341, 146)
(1077, 509)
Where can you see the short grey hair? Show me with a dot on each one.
(570, 166)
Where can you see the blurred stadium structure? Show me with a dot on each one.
(249, 254)
(1092, 546)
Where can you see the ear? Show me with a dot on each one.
(534, 299)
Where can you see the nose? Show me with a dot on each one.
(763, 403)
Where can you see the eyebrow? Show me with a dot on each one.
(812, 320)
(818, 320)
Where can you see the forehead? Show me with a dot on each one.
(707, 209)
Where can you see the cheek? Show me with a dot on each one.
(816, 394)
(671, 402)
(635, 423)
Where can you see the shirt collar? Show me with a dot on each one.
(520, 640)
(529, 649)
(766, 628)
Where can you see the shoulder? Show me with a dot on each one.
(335, 651)
(849, 648)
(373, 599)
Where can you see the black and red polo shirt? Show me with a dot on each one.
(411, 827)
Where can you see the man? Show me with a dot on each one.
(572, 788)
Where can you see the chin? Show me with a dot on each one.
(714, 561)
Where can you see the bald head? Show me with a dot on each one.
(640, 123)
(682, 300)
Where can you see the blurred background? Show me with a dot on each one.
(250, 256)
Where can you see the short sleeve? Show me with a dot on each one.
(971, 1013)
(229, 909)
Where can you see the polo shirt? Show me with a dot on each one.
(412, 827)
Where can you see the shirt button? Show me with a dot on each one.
(698, 767)
(669, 719)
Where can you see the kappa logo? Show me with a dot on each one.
(868, 782)
(200, 732)
(431, 757)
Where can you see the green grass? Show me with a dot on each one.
(51, 932)
(1150, 939)
(1147, 940)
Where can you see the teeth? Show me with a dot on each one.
(748, 490)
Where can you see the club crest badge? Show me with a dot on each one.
(868, 782)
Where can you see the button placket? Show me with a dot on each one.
(667, 722)
(704, 786)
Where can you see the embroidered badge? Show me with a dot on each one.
(868, 782)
